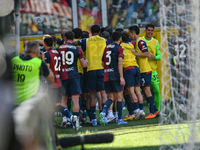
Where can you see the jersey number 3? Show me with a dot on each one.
(109, 57)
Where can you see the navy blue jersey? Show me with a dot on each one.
(82, 43)
(69, 55)
(42, 49)
(110, 58)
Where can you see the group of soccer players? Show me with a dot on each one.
(107, 66)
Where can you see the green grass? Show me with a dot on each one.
(141, 134)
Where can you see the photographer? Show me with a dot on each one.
(27, 71)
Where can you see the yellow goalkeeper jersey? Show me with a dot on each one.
(80, 68)
(152, 46)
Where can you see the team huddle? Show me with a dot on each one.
(107, 66)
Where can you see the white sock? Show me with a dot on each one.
(110, 113)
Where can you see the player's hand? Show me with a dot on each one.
(86, 61)
(133, 51)
(151, 56)
(122, 81)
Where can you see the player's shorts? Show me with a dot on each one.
(95, 80)
(71, 87)
(145, 79)
(54, 94)
(154, 78)
(132, 77)
(113, 86)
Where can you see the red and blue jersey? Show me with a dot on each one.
(69, 55)
(52, 58)
(110, 58)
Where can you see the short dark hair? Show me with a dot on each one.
(103, 29)
(109, 29)
(48, 40)
(69, 35)
(119, 29)
(125, 36)
(105, 34)
(77, 33)
(85, 34)
(135, 29)
(150, 25)
(32, 47)
(95, 29)
(116, 35)
(54, 37)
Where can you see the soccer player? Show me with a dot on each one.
(52, 60)
(142, 53)
(95, 46)
(27, 71)
(154, 49)
(69, 73)
(132, 78)
(113, 77)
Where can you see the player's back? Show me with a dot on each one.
(129, 57)
(111, 54)
(54, 59)
(94, 51)
(69, 55)
(143, 63)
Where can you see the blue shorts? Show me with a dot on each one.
(54, 94)
(145, 79)
(132, 77)
(113, 86)
(95, 80)
(71, 87)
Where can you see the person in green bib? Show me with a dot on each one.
(154, 49)
(26, 72)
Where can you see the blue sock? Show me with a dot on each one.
(102, 106)
(141, 106)
(63, 110)
(76, 113)
(80, 103)
(155, 108)
(119, 109)
(129, 104)
(150, 101)
(93, 112)
(135, 106)
(89, 114)
(107, 106)
(69, 103)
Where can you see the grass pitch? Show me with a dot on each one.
(136, 135)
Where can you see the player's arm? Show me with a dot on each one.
(143, 48)
(47, 72)
(80, 42)
(158, 53)
(47, 59)
(120, 65)
(40, 42)
(83, 62)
